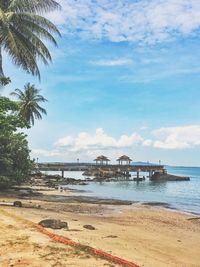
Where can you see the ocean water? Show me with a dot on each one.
(182, 195)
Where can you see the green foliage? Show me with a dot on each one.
(15, 163)
(9, 120)
(5, 182)
(4, 81)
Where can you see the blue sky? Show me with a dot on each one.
(125, 79)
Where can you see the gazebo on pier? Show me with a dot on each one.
(102, 160)
(124, 160)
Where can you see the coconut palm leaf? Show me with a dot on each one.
(23, 31)
(32, 6)
(29, 100)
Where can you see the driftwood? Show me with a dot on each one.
(193, 218)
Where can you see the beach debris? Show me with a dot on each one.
(75, 230)
(193, 218)
(53, 224)
(32, 206)
(3, 203)
(111, 236)
(17, 204)
(89, 227)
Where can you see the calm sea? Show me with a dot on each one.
(182, 195)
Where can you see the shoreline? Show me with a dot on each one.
(71, 195)
(170, 192)
(163, 205)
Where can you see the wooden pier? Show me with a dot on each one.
(126, 169)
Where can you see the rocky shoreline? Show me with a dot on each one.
(55, 181)
(53, 188)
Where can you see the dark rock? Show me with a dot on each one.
(17, 204)
(28, 193)
(157, 176)
(53, 224)
(139, 179)
(161, 204)
(89, 227)
(82, 183)
(24, 193)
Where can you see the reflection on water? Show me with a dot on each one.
(184, 195)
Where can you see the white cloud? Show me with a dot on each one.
(89, 145)
(149, 21)
(65, 141)
(147, 142)
(113, 62)
(177, 137)
(162, 74)
(98, 141)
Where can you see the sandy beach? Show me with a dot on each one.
(146, 235)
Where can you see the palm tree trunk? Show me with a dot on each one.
(1, 64)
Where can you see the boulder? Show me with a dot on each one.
(17, 204)
(157, 176)
(53, 224)
(89, 227)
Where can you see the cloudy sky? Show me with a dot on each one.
(125, 79)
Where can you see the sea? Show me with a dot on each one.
(178, 195)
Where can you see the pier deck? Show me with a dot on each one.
(58, 166)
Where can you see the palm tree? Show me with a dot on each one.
(29, 100)
(22, 29)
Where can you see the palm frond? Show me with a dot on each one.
(18, 93)
(33, 6)
(23, 31)
(38, 20)
(29, 100)
(42, 110)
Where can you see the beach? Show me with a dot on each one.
(99, 133)
(144, 234)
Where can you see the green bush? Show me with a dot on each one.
(15, 163)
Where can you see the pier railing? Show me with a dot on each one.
(75, 166)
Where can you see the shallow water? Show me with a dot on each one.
(182, 195)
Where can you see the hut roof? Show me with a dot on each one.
(101, 158)
(124, 157)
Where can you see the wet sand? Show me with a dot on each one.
(147, 235)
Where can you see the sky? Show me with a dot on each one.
(125, 79)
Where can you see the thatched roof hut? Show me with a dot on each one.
(124, 160)
(101, 160)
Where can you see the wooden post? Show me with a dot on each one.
(138, 174)
(62, 173)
